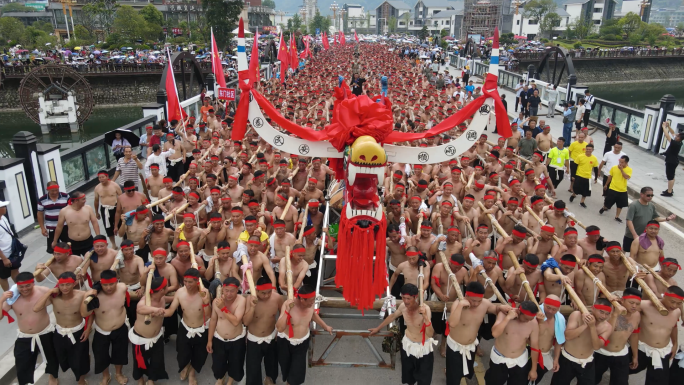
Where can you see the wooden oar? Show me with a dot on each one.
(148, 288)
(644, 287)
(514, 259)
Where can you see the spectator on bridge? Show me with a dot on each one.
(127, 168)
(144, 138)
(533, 103)
(671, 157)
(579, 116)
(588, 105)
(49, 206)
(612, 137)
(615, 186)
(569, 113)
(552, 95)
(518, 90)
(118, 145)
(640, 212)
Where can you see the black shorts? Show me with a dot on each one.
(653, 375)
(670, 169)
(108, 224)
(616, 198)
(118, 341)
(82, 247)
(582, 186)
(25, 359)
(155, 368)
(6, 272)
(229, 358)
(417, 370)
(73, 356)
(191, 350)
(292, 360)
(573, 168)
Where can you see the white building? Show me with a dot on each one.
(530, 28)
(594, 10)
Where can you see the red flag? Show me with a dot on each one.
(326, 43)
(335, 38)
(173, 107)
(254, 61)
(216, 66)
(283, 57)
(356, 37)
(294, 62)
(343, 41)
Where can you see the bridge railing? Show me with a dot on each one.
(109, 68)
(605, 53)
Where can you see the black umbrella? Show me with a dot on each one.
(132, 138)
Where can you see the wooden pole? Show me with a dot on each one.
(198, 161)
(175, 211)
(217, 273)
(86, 259)
(160, 201)
(469, 229)
(250, 277)
(288, 275)
(498, 294)
(452, 278)
(148, 288)
(47, 264)
(194, 264)
(421, 279)
(287, 208)
(117, 260)
(306, 216)
(571, 292)
(514, 259)
(644, 287)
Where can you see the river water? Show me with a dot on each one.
(105, 119)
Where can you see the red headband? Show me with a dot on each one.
(671, 263)
(673, 295)
(276, 225)
(444, 203)
(167, 180)
(236, 210)
(631, 297)
(603, 307)
(568, 263)
(526, 312)
(594, 232)
(314, 204)
(551, 302)
(426, 227)
(223, 248)
(306, 296)
(309, 231)
(65, 280)
(518, 233)
(412, 253)
(487, 197)
(653, 224)
(61, 250)
(159, 252)
(512, 202)
(109, 280)
(592, 260)
(548, 228)
(100, 241)
(25, 282)
(53, 187)
(313, 180)
(189, 215)
(298, 249)
(265, 286)
(190, 277)
(182, 243)
(253, 242)
(475, 295)
(570, 232)
(454, 229)
(529, 264)
(609, 248)
(129, 188)
(468, 199)
(161, 287)
(127, 246)
(141, 212)
(153, 167)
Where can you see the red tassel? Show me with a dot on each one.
(90, 280)
(9, 317)
(128, 299)
(139, 357)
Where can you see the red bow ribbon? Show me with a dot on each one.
(139, 357)
(9, 317)
(422, 330)
(290, 330)
(540, 360)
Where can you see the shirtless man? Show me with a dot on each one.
(415, 208)
(658, 337)
(514, 243)
(172, 205)
(154, 182)
(319, 171)
(310, 193)
(198, 210)
(260, 319)
(396, 248)
(157, 238)
(547, 360)
(482, 216)
(508, 359)
(261, 266)
(106, 194)
(450, 243)
(293, 334)
(584, 286)
(466, 317)
(234, 189)
(669, 267)
(71, 341)
(108, 306)
(544, 139)
(134, 232)
(592, 243)
(64, 261)
(148, 351)
(545, 246)
(512, 209)
(101, 259)
(411, 269)
(569, 245)
(534, 278)
(481, 244)
(417, 359)
(615, 354)
(190, 232)
(227, 345)
(424, 239)
(648, 248)
(554, 283)
(584, 334)
(298, 265)
(529, 221)
(290, 216)
(182, 261)
(191, 343)
(127, 202)
(176, 161)
(210, 237)
(554, 216)
(129, 274)
(442, 290)
(614, 270)
(32, 325)
(78, 217)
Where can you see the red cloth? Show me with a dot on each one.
(294, 62)
(361, 278)
(216, 66)
(9, 317)
(139, 357)
(326, 43)
(173, 105)
(356, 37)
(290, 329)
(284, 59)
(254, 62)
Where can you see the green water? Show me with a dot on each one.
(101, 120)
(637, 95)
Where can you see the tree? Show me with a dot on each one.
(16, 7)
(680, 29)
(128, 23)
(406, 17)
(11, 29)
(223, 17)
(423, 33)
(507, 38)
(392, 24)
(268, 3)
(368, 19)
(537, 9)
(102, 12)
(610, 27)
(444, 32)
(152, 15)
(630, 22)
(320, 22)
(43, 26)
(84, 35)
(651, 32)
(581, 27)
(296, 22)
(548, 23)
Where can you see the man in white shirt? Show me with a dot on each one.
(6, 268)
(579, 115)
(518, 89)
(159, 158)
(610, 159)
(588, 105)
(144, 140)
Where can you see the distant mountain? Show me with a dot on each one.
(292, 6)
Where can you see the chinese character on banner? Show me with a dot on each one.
(177, 31)
(226, 93)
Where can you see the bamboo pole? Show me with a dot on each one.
(452, 277)
(160, 201)
(86, 259)
(47, 264)
(514, 259)
(198, 161)
(194, 264)
(421, 280)
(117, 260)
(306, 216)
(176, 211)
(148, 288)
(498, 294)
(644, 287)
(250, 277)
(288, 275)
(571, 292)
(287, 208)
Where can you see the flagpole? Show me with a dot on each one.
(180, 108)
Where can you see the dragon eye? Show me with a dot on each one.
(363, 157)
(375, 157)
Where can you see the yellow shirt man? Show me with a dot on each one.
(576, 149)
(585, 164)
(619, 182)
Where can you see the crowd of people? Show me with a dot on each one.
(172, 253)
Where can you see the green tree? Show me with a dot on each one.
(17, 7)
(392, 24)
(11, 29)
(507, 38)
(406, 17)
(289, 24)
(610, 27)
(43, 26)
(128, 23)
(318, 21)
(152, 15)
(84, 35)
(296, 22)
(680, 29)
(548, 23)
(581, 27)
(102, 13)
(444, 32)
(651, 32)
(31, 36)
(423, 33)
(630, 22)
(268, 3)
(537, 9)
(223, 17)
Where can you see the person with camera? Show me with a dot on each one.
(8, 267)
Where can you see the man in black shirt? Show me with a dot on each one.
(533, 103)
(612, 136)
(671, 157)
